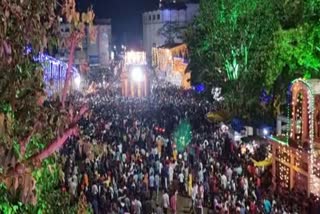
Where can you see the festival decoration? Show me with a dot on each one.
(183, 135)
(200, 88)
(54, 72)
(170, 61)
(265, 98)
(299, 149)
(135, 58)
(216, 94)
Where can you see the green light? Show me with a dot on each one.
(182, 135)
(278, 141)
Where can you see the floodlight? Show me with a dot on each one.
(137, 74)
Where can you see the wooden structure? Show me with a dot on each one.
(171, 63)
(296, 156)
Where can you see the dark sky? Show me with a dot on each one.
(126, 17)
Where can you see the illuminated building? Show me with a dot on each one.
(171, 63)
(296, 156)
(54, 74)
(134, 76)
(180, 13)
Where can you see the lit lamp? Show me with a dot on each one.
(265, 132)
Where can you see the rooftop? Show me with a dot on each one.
(173, 6)
(171, 45)
(313, 84)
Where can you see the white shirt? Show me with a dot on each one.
(157, 180)
(138, 206)
(151, 181)
(166, 201)
(224, 181)
(170, 172)
(181, 177)
(194, 192)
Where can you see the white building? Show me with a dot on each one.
(176, 13)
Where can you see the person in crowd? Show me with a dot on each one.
(127, 159)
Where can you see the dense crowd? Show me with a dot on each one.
(128, 160)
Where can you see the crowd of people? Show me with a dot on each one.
(127, 161)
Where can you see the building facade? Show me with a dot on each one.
(92, 52)
(296, 155)
(171, 63)
(170, 14)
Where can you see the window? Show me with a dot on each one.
(158, 16)
(149, 17)
(153, 17)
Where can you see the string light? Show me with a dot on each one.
(54, 72)
(302, 120)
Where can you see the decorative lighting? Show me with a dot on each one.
(137, 74)
(77, 81)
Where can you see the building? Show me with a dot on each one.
(171, 63)
(54, 75)
(134, 75)
(98, 52)
(95, 52)
(163, 3)
(296, 155)
(166, 23)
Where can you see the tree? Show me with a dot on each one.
(170, 31)
(294, 49)
(247, 46)
(30, 131)
(226, 43)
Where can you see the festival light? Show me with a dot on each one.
(137, 74)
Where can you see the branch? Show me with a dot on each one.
(55, 145)
(24, 142)
(82, 111)
(20, 168)
(73, 41)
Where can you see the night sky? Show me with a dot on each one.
(126, 17)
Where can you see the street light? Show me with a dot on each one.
(137, 74)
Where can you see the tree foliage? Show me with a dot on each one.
(171, 31)
(31, 132)
(245, 46)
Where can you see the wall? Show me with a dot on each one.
(94, 52)
(154, 20)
